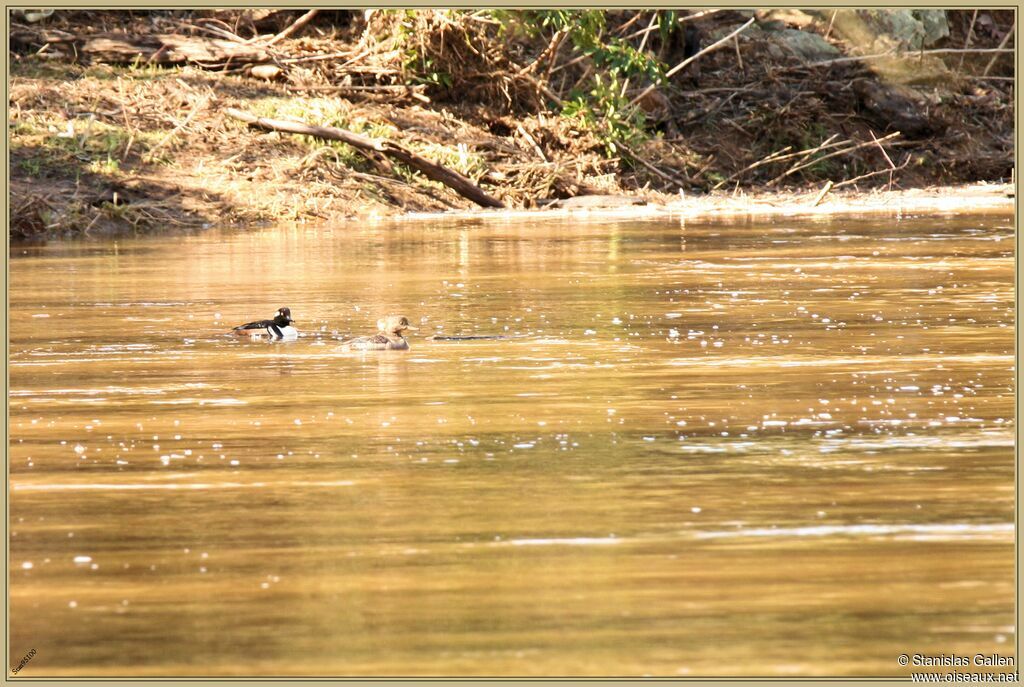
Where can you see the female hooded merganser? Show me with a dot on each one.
(389, 338)
(277, 328)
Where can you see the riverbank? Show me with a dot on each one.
(946, 200)
(103, 144)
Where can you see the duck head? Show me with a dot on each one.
(283, 317)
(394, 324)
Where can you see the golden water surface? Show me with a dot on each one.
(754, 448)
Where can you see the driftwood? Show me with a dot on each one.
(163, 49)
(477, 337)
(450, 178)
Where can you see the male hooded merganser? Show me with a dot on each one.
(277, 328)
(389, 338)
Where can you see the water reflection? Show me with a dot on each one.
(710, 449)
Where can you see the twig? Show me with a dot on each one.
(664, 175)
(888, 159)
(798, 167)
(1002, 43)
(216, 31)
(553, 45)
(296, 25)
(771, 157)
(643, 32)
(530, 139)
(688, 60)
(698, 15)
(872, 174)
(884, 154)
(575, 60)
(828, 187)
(632, 20)
(542, 88)
(824, 145)
(643, 43)
(967, 40)
(831, 21)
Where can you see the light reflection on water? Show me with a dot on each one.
(710, 449)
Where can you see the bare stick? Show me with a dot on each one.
(532, 141)
(671, 72)
(556, 41)
(884, 154)
(575, 60)
(831, 21)
(634, 19)
(844, 151)
(780, 155)
(1002, 44)
(542, 88)
(643, 43)
(771, 157)
(872, 174)
(296, 25)
(828, 187)
(824, 145)
(967, 41)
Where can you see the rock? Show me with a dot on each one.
(265, 71)
(899, 108)
(809, 47)
(936, 26)
(879, 30)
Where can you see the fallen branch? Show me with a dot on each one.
(450, 178)
(298, 24)
(163, 49)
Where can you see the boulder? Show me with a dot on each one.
(808, 46)
(881, 30)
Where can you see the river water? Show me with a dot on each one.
(704, 449)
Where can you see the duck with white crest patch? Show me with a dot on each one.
(276, 329)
